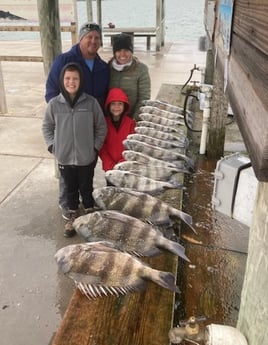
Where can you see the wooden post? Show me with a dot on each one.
(50, 33)
(74, 32)
(89, 11)
(158, 25)
(218, 115)
(209, 67)
(254, 299)
(163, 14)
(99, 12)
(3, 104)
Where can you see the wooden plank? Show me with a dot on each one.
(134, 34)
(250, 22)
(21, 58)
(129, 29)
(252, 117)
(254, 64)
(69, 28)
(139, 318)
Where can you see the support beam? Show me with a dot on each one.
(50, 34)
(3, 104)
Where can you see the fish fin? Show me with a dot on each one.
(135, 253)
(176, 183)
(164, 279)
(173, 247)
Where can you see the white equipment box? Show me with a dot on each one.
(235, 188)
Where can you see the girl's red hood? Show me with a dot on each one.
(116, 95)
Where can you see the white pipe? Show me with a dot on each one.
(224, 335)
(206, 115)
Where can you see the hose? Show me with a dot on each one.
(188, 94)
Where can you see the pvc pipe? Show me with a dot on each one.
(206, 116)
(224, 335)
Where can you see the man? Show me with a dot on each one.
(95, 73)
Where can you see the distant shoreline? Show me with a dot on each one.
(9, 16)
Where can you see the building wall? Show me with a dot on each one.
(245, 70)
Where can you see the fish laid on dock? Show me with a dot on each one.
(140, 205)
(157, 152)
(165, 144)
(131, 155)
(156, 172)
(161, 112)
(159, 127)
(163, 105)
(127, 233)
(160, 120)
(99, 270)
(125, 179)
(160, 134)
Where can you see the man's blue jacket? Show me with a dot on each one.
(96, 83)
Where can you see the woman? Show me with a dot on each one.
(129, 74)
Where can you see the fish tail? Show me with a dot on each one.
(176, 183)
(184, 217)
(164, 279)
(173, 247)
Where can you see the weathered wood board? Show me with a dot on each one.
(245, 73)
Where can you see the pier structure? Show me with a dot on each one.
(32, 288)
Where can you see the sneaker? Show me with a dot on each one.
(91, 209)
(64, 212)
(69, 230)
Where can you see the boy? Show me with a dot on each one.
(74, 129)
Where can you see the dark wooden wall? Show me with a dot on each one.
(247, 87)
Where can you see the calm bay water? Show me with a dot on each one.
(183, 19)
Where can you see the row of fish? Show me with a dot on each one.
(155, 148)
(129, 224)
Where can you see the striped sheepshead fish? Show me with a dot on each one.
(163, 105)
(131, 155)
(159, 127)
(127, 233)
(140, 205)
(151, 132)
(99, 270)
(156, 142)
(156, 152)
(160, 120)
(161, 112)
(137, 182)
(156, 172)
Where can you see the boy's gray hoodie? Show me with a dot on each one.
(74, 130)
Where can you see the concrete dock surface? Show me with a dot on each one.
(33, 295)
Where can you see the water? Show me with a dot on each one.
(183, 19)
